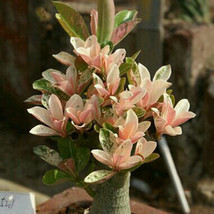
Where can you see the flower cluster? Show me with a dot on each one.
(95, 94)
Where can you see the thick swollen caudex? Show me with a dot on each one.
(112, 196)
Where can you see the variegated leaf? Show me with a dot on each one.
(99, 176)
(123, 30)
(49, 155)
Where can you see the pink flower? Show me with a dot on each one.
(71, 82)
(145, 148)
(167, 120)
(155, 88)
(80, 113)
(66, 82)
(132, 130)
(53, 117)
(119, 157)
(93, 55)
(128, 99)
(111, 85)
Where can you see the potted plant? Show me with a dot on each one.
(103, 110)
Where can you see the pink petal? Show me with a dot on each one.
(102, 157)
(131, 162)
(182, 106)
(170, 114)
(158, 88)
(42, 130)
(41, 114)
(127, 131)
(71, 113)
(145, 148)
(113, 74)
(77, 42)
(86, 116)
(173, 131)
(144, 72)
(137, 136)
(64, 58)
(55, 107)
(124, 149)
(94, 22)
(71, 73)
(66, 87)
(102, 91)
(137, 96)
(75, 102)
(143, 126)
(160, 123)
(58, 77)
(118, 56)
(183, 117)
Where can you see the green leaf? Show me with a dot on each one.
(49, 155)
(121, 85)
(163, 73)
(124, 16)
(139, 111)
(45, 99)
(125, 67)
(81, 156)
(109, 127)
(123, 30)
(72, 22)
(151, 158)
(134, 56)
(47, 87)
(99, 176)
(109, 43)
(55, 176)
(97, 128)
(107, 140)
(80, 64)
(106, 11)
(68, 149)
(65, 148)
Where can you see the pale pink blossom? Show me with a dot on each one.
(119, 157)
(112, 83)
(82, 114)
(53, 117)
(71, 82)
(154, 88)
(93, 55)
(168, 119)
(66, 82)
(132, 129)
(128, 99)
(145, 148)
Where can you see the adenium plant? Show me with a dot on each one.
(102, 110)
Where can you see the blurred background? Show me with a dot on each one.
(176, 32)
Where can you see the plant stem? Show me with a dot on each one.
(87, 189)
(112, 197)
